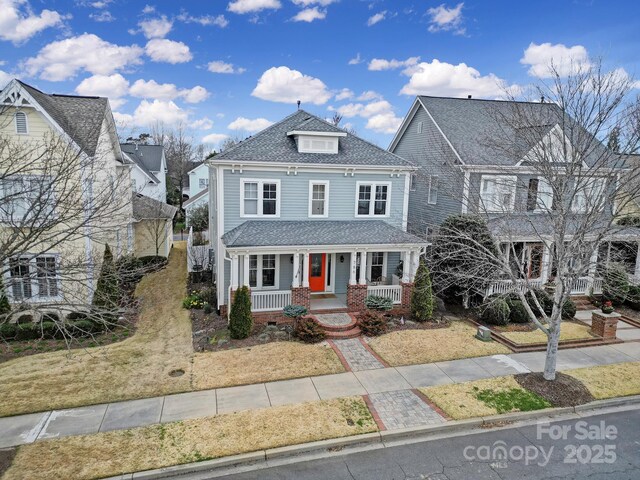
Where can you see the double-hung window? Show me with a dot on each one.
(33, 278)
(539, 195)
(318, 199)
(20, 195)
(433, 190)
(373, 199)
(260, 198)
(589, 195)
(263, 271)
(203, 183)
(497, 192)
(377, 266)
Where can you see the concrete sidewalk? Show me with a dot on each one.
(398, 382)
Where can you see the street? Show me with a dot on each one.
(598, 447)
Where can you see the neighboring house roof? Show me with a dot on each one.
(259, 233)
(201, 164)
(196, 197)
(274, 145)
(80, 117)
(148, 155)
(535, 225)
(146, 208)
(134, 159)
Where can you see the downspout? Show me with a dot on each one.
(228, 259)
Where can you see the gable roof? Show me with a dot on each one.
(273, 145)
(148, 157)
(134, 160)
(195, 198)
(147, 208)
(80, 117)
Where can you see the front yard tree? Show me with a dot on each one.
(240, 319)
(422, 301)
(565, 207)
(107, 293)
(199, 218)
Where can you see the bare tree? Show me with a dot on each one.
(553, 203)
(154, 221)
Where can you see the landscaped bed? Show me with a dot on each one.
(145, 448)
(568, 331)
(608, 381)
(410, 347)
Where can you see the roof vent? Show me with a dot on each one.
(298, 104)
(542, 99)
(468, 97)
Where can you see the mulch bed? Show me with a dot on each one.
(6, 457)
(564, 391)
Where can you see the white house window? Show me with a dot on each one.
(33, 278)
(497, 193)
(260, 198)
(539, 195)
(203, 183)
(377, 266)
(414, 182)
(373, 199)
(263, 271)
(21, 123)
(20, 279)
(419, 127)
(317, 144)
(433, 190)
(47, 277)
(318, 199)
(18, 196)
(589, 195)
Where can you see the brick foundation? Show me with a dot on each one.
(301, 296)
(407, 288)
(605, 325)
(276, 317)
(355, 297)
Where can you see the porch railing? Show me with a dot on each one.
(394, 292)
(582, 286)
(270, 300)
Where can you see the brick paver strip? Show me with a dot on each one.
(404, 409)
(374, 413)
(357, 356)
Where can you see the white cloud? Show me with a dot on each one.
(148, 9)
(63, 59)
(204, 20)
(564, 59)
(218, 66)
(379, 114)
(344, 94)
(169, 51)
(252, 6)
(378, 64)
(378, 17)
(281, 84)
(114, 87)
(249, 125)
(202, 124)
(19, 26)
(104, 16)
(158, 111)
(196, 94)
(167, 91)
(214, 138)
(306, 3)
(309, 15)
(156, 27)
(441, 78)
(446, 19)
(4, 79)
(384, 123)
(356, 60)
(369, 95)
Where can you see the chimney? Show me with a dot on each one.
(468, 97)
(298, 104)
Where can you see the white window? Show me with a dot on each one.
(203, 183)
(264, 271)
(317, 144)
(33, 278)
(21, 123)
(318, 199)
(372, 199)
(433, 190)
(260, 198)
(377, 266)
(539, 195)
(589, 195)
(19, 195)
(419, 127)
(414, 182)
(497, 193)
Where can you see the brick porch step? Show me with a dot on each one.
(337, 328)
(344, 334)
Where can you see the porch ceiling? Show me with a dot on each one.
(279, 233)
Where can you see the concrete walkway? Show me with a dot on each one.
(395, 382)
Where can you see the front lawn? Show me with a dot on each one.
(608, 381)
(568, 331)
(112, 453)
(410, 347)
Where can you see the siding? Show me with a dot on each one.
(342, 272)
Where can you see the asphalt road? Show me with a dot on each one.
(590, 449)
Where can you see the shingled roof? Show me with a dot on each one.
(80, 117)
(147, 208)
(147, 157)
(274, 145)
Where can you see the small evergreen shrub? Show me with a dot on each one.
(4, 301)
(107, 294)
(372, 323)
(8, 331)
(210, 295)
(422, 299)
(49, 330)
(240, 319)
(208, 308)
(25, 318)
(633, 300)
(50, 317)
(27, 331)
(376, 302)
(77, 315)
(568, 309)
(615, 284)
(83, 328)
(495, 311)
(307, 330)
(517, 312)
(294, 311)
(545, 300)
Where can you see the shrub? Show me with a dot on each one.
(307, 330)
(568, 309)
(49, 330)
(210, 295)
(630, 221)
(633, 300)
(25, 318)
(376, 302)
(615, 283)
(50, 317)
(294, 311)
(240, 319)
(517, 311)
(4, 301)
(107, 292)
(8, 331)
(545, 300)
(77, 315)
(194, 300)
(83, 327)
(372, 323)
(27, 331)
(495, 311)
(422, 299)
(208, 308)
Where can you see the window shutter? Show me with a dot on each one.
(21, 122)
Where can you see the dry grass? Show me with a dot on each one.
(112, 453)
(458, 400)
(568, 331)
(263, 363)
(410, 347)
(134, 368)
(607, 381)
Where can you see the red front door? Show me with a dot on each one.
(317, 269)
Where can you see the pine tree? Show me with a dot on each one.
(422, 300)
(107, 292)
(240, 319)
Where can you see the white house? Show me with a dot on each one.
(149, 174)
(198, 189)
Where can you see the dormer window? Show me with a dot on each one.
(21, 123)
(317, 142)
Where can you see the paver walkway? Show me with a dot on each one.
(356, 355)
(396, 382)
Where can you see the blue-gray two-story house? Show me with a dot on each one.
(306, 213)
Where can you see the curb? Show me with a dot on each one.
(383, 437)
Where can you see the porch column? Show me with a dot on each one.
(305, 270)
(406, 266)
(636, 273)
(352, 275)
(363, 268)
(546, 262)
(245, 270)
(415, 262)
(593, 264)
(234, 272)
(296, 270)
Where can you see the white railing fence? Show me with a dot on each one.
(582, 286)
(197, 255)
(270, 300)
(394, 292)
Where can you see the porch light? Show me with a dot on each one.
(341, 258)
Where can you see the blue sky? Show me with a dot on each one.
(230, 67)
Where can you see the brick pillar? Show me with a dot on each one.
(605, 325)
(407, 288)
(355, 297)
(301, 296)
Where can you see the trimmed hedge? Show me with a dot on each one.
(545, 300)
(495, 311)
(569, 309)
(376, 302)
(307, 330)
(518, 312)
(372, 323)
